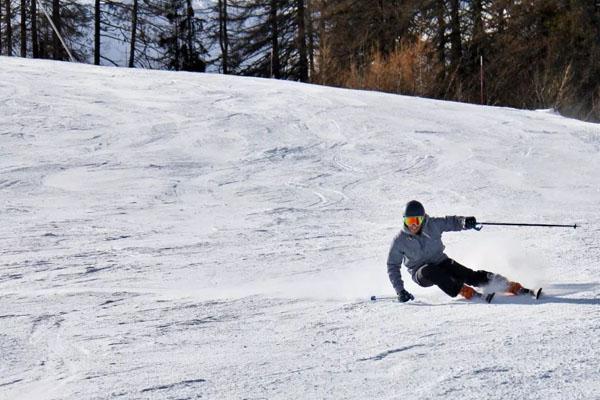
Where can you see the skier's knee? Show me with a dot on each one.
(423, 276)
(484, 276)
(495, 278)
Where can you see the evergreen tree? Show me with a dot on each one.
(182, 51)
(270, 38)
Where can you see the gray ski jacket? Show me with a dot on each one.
(414, 251)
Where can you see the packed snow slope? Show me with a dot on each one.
(179, 236)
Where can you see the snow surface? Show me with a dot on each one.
(179, 236)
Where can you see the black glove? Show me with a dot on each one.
(404, 296)
(470, 222)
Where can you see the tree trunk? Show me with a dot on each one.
(190, 29)
(501, 19)
(275, 66)
(97, 32)
(134, 15)
(455, 38)
(23, 29)
(441, 32)
(311, 40)
(8, 23)
(456, 50)
(323, 45)
(45, 49)
(478, 31)
(223, 35)
(177, 62)
(34, 30)
(0, 29)
(57, 49)
(303, 62)
(382, 43)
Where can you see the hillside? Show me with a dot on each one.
(178, 236)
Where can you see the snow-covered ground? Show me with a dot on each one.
(180, 236)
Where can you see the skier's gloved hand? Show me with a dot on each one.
(405, 296)
(470, 222)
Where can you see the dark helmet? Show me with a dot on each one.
(414, 209)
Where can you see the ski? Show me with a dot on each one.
(531, 292)
(487, 297)
(375, 298)
(393, 298)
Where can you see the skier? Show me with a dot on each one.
(419, 248)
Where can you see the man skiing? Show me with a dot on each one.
(419, 248)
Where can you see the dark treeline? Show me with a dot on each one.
(520, 53)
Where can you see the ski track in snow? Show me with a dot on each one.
(179, 236)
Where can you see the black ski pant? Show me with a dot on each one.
(450, 276)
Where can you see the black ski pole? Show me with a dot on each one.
(574, 226)
(375, 298)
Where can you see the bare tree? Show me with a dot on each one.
(134, 22)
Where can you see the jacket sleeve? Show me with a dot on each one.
(450, 223)
(394, 263)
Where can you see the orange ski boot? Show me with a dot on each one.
(514, 287)
(467, 292)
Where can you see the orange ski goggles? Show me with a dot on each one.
(408, 221)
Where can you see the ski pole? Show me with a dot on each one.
(574, 226)
(375, 298)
